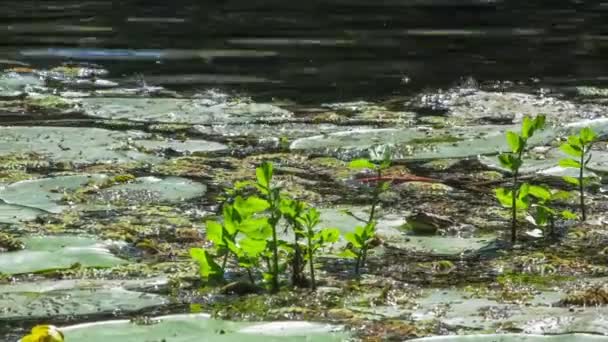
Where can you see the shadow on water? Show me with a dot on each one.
(314, 50)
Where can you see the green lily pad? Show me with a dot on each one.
(199, 327)
(46, 193)
(414, 144)
(77, 145)
(10, 213)
(514, 338)
(49, 299)
(151, 190)
(192, 111)
(56, 252)
(185, 147)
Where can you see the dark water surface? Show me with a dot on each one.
(313, 50)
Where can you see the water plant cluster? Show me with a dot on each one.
(267, 233)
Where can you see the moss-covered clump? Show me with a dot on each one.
(594, 296)
(9, 243)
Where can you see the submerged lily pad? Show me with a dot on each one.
(77, 145)
(199, 327)
(46, 193)
(514, 338)
(151, 190)
(49, 299)
(414, 144)
(10, 213)
(184, 147)
(192, 111)
(55, 252)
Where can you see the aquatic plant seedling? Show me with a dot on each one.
(292, 210)
(242, 235)
(513, 161)
(579, 147)
(365, 235)
(315, 239)
(545, 215)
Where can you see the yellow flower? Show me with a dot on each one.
(44, 333)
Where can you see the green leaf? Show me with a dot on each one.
(523, 201)
(529, 126)
(348, 254)
(572, 150)
(515, 141)
(571, 180)
(575, 141)
(568, 215)
(587, 135)
(540, 192)
(509, 161)
(362, 164)
(354, 239)
(569, 163)
(215, 232)
(504, 196)
(256, 228)
(328, 235)
(207, 267)
(264, 174)
(253, 247)
(251, 205)
(542, 216)
(561, 195)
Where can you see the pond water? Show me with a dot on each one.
(122, 125)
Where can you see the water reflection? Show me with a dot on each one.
(314, 50)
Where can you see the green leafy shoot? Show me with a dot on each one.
(516, 197)
(578, 148)
(545, 214)
(316, 239)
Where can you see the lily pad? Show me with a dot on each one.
(184, 147)
(46, 193)
(10, 213)
(192, 111)
(514, 338)
(49, 299)
(199, 327)
(414, 144)
(56, 252)
(77, 145)
(151, 190)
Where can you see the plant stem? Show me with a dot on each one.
(357, 265)
(275, 255)
(582, 186)
(225, 261)
(514, 199)
(250, 276)
(311, 262)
